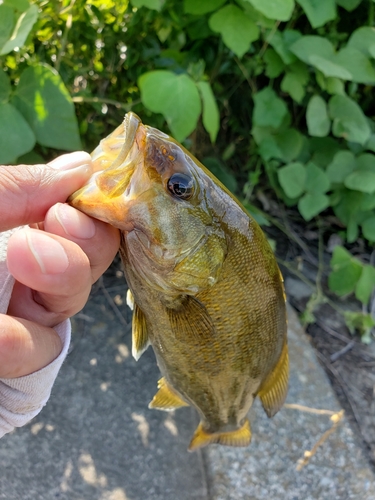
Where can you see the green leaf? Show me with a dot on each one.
(367, 202)
(150, 4)
(312, 204)
(5, 87)
(282, 41)
(222, 172)
(349, 5)
(318, 122)
(363, 177)
(20, 5)
(342, 165)
(340, 258)
(23, 27)
(6, 24)
(362, 323)
(323, 150)
(291, 85)
(368, 228)
(356, 63)
(366, 283)
(349, 121)
(292, 179)
(346, 271)
(285, 145)
(16, 137)
(281, 10)
(362, 39)
(268, 148)
(175, 96)
(370, 144)
(274, 64)
(199, 8)
(269, 109)
(319, 12)
(31, 158)
(236, 29)
(317, 181)
(210, 117)
(319, 52)
(44, 101)
(335, 86)
(347, 208)
(290, 143)
(310, 45)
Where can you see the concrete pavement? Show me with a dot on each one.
(97, 440)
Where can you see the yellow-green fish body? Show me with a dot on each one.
(207, 292)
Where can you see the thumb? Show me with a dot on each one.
(28, 191)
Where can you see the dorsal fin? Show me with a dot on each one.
(274, 389)
(191, 321)
(239, 437)
(166, 398)
(140, 340)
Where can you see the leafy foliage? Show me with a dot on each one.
(277, 94)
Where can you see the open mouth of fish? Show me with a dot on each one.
(109, 192)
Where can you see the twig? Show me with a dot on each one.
(335, 356)
(336, 419)
(111, 302)
(344, 388)
(332, 332)
(291, 234)
(308, 409)
(127, 107)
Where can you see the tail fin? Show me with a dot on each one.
(239, 437)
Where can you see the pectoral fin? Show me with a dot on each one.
(166, 398)
(274, 389)
(140, 340)
(239, 437)
(130, 299)
(191, 321)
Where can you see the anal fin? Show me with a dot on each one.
(166, 398)
(140, 340)
(239, 437)
(274, 389)
(130, 299)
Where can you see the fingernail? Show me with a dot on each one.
(48, 253)
(71, 160)
(74, 223)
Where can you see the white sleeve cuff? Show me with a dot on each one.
(22, 398)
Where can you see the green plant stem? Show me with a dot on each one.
(112, 102)
(246, 75)
(268, 39)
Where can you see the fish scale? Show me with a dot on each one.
(207, 292)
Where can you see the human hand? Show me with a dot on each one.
(54, 261)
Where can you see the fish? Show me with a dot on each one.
(204, 284)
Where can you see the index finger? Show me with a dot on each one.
(28, 191)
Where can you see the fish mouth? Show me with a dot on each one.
(106, 195)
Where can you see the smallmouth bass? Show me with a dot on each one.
(204, 285)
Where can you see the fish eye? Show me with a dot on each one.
(181, 185)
